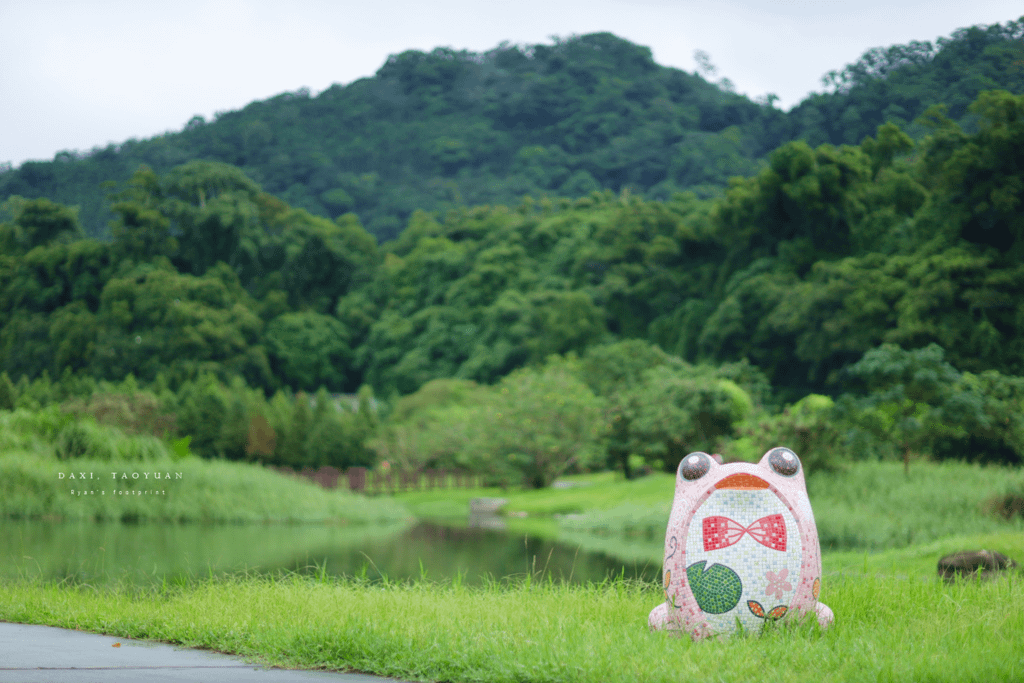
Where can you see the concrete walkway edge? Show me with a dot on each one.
(30, 653)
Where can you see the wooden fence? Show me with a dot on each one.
(362, 480)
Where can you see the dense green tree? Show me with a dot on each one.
(812, 428)
(437, 393)
(918, 402)
(330, 443)
(985, 419)
(530, 427)
(660, 408)
(674, 411)
(291, 450)
(490, 289)
(141, 230)
(51, 277)
(234, 433)
(203, 408)
(280, 409)
(308, 350)
(364, 425)
(155, 320)
(824, 255)
(803, 207)
(133, 411)
(329, 438)
(542, 422)
(215, 216)
(50, 294)
(440, 129)
(611, 370)
(7, 394)
(74, 331)
(41, 221)
(203, 213)
(437, 130)
(980, 175)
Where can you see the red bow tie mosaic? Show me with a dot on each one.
(722, 532)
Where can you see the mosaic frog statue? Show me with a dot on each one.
(741, 547)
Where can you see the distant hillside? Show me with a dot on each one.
(448, 128)
(900, 82)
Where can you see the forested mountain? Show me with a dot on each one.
(823, 255)
(886, 275)
(900, 82)
(446, 129)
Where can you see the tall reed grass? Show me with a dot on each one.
(863, 505)
(53, 466)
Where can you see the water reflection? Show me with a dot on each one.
(477, 552)
(143, 554)
(486, 520)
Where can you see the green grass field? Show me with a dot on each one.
(888, 628)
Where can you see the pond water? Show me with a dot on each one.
(143, 554)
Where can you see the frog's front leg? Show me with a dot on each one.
(658, 618)
(824, 614)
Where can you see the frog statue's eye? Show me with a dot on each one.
(694, 466)
(784, 461)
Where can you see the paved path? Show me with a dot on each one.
(31, 653)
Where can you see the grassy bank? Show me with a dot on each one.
(196, 491)
(920, 560)
(868, 505)
(888, 628)
(55, 467)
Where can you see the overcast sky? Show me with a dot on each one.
(79, 74)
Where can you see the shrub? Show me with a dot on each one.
(137, 412)
(87, 439)
(532, 426)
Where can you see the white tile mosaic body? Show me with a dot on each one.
(748, 558)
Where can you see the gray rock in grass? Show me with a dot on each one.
(486, 506)
(987, 563)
